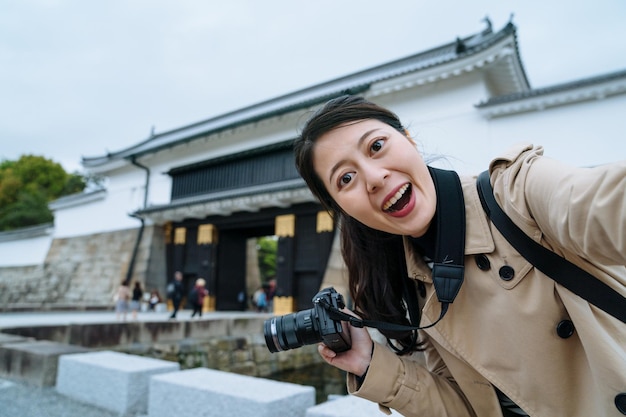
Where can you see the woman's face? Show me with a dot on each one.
(377, 176)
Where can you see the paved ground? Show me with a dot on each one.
(20, 400)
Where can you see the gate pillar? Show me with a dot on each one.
(284, 302)
(180, 238)
(207, 249)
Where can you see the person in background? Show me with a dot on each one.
(260, 298)
(135, 302)
(155, 298)
(175, 293)
(122, 298)
(196, 297)
(271, 293)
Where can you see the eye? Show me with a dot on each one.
(345, 179)
(377, 145)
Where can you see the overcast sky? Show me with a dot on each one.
(83, 77)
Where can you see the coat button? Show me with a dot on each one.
(506, 273)
(565, 329)
(620, 402)
(483, 262)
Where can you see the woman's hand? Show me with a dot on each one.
(357, 359)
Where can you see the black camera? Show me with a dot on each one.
(310, 326)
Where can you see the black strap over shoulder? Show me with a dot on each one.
(575, 279)
(448, 268)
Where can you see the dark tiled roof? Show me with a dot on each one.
(350, 84)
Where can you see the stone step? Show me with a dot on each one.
(6, 338)
(110, 334)
(33, 362)
(111, 380)
(209, 393)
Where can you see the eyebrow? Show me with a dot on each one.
(359, 143)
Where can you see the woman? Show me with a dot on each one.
(154, 300)
(500, 348)
(135, 302)
(196, 297)
(122, 297)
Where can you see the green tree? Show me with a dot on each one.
(28, 185)
(266, 250)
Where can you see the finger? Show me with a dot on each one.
(326, 352)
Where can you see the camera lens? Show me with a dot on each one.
(291, 331)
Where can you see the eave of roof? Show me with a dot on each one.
(355, 83)
(252, 199)
(77, 199)
(40, 230)
(574, 91)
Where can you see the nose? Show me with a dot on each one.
(375, 178)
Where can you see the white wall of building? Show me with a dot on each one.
(25, 251)
(581, 134)
(124, 195)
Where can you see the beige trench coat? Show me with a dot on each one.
(504, 333)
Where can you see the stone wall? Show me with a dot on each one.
(248, 355)
(22, 286)
(83, 272)
(232, 344)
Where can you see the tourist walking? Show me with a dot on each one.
(196, 297)
(135, 302)
(175, 292)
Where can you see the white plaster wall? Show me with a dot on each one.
(25, 252)
(125, 190)
(581, 134)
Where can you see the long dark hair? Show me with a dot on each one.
(374, 258)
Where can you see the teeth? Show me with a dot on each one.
(393, 200)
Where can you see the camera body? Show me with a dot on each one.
(310, 326)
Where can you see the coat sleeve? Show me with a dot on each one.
(582, 210)
(408, 387)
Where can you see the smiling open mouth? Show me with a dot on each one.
(399, 199)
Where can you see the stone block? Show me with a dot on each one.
(347, 405)
(54, 333)
(246, 326)
(6, 338)
(160, 331)
(203, 392)
(111, 380)
(103, 335)
(206, 329)
(34, 362)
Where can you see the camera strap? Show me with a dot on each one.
(448, 266)
(449, 263)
